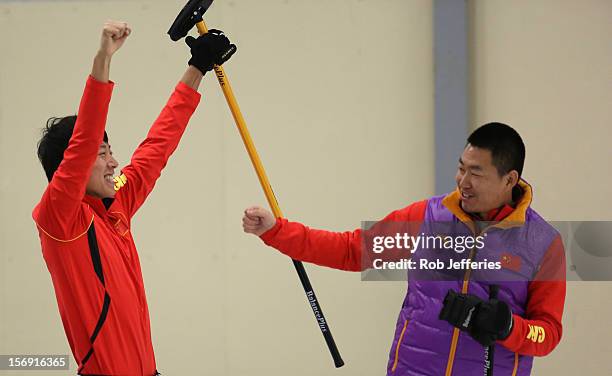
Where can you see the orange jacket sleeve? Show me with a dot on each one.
(153, 153)
(338, 250)
(539, 332)
(58, 213)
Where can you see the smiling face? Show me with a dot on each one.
(101, 184)
(481, 186)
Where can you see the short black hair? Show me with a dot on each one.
(54, 141)
(505, 144)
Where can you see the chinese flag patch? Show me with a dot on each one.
(510, 261)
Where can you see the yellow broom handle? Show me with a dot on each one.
(244, 132)
(265, 184)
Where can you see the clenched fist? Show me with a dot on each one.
(257, 220)
(114, 35)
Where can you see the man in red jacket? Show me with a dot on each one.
(446, 327)
(84, 216)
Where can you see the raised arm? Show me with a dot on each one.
(150, 158)
(58, 213)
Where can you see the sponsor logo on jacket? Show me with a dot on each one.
(120, 181)
(536, 334)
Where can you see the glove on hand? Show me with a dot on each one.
(209, 49)
(485, 321)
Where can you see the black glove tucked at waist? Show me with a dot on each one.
(485, 320)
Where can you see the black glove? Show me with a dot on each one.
(485, 321)
(209, 49)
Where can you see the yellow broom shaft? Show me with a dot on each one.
(244, 132)
(265, 184)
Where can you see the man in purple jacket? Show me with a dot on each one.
(450, 320)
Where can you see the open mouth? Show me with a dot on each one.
(108, 178)
(466, 196)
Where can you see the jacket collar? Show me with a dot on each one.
(97, 205)
(516, 218)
